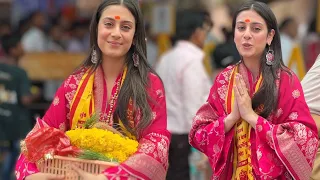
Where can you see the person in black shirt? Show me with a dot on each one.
(14, 97)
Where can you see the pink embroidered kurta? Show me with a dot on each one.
(151, 159)
(283, 146)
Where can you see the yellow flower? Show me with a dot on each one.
(102, 141)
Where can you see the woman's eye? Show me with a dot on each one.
(127, 28)
(240, 28)
(108, 24)
(256, 29)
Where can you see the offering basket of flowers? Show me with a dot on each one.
(93, 148)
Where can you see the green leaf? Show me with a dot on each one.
(91, 155)
(91, 121)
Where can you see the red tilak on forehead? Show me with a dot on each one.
(247, 20)
(117, 17)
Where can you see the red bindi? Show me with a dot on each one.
(247, 20)
(117, 17)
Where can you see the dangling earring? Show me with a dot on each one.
(135, 58)
(94, 58)
(270, 57)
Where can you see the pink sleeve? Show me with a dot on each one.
(151, 159)
(24, 168)
(54, 117)
(207, 133)
(288, 142)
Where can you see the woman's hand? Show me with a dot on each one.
(88, 176)
(232, 118)
(244, 102)
(44, 176)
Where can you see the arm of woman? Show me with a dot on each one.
(54, 117)
(210, 129)
(151, 159)
(290, 141)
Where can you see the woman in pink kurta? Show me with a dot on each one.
(255, 123)
(122, 87)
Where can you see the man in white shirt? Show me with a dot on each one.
(187, 85)
(311, 88)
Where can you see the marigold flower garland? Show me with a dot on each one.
(113, 146)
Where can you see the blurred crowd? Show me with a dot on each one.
(40, 33)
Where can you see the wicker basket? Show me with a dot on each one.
(59, 165)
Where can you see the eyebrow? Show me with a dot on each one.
(242, 22)
(112, 19)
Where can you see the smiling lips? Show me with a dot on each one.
(114, 43)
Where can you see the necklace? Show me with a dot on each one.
(115, 96)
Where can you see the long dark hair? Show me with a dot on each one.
(267, 95)
(137, 79)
